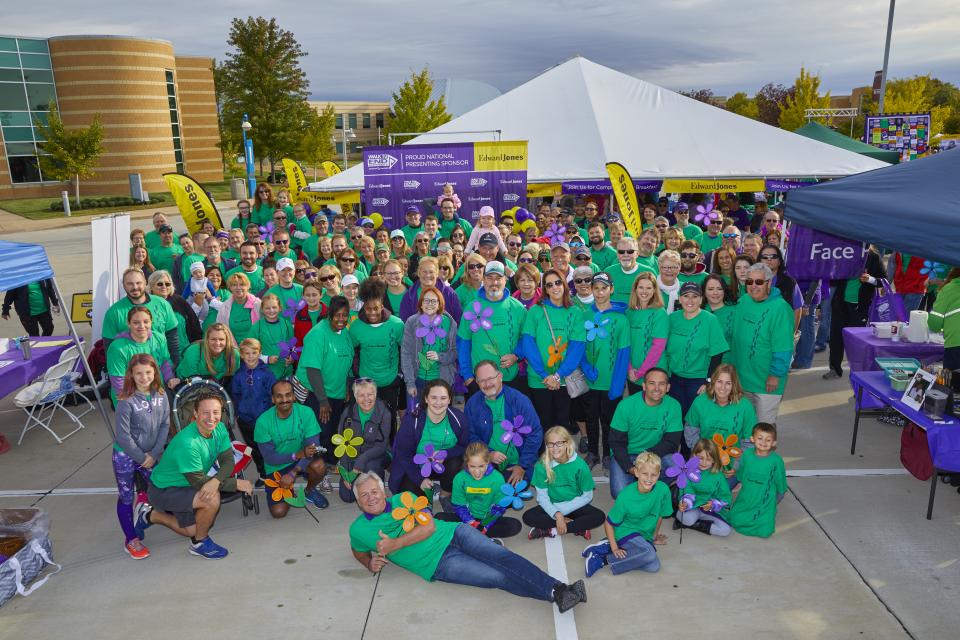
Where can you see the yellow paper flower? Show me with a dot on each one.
(347, 443)
(555, 352)
(412, 512)
(279, 493)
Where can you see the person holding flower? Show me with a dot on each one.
(429, 349)
(362, 442)
(378, 335)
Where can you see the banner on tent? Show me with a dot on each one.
(546, 190)
(587, 187)
(296, 180)
(328, 197)
(626, 197)
(193, 202)
(482, 173)
(787, 185)
(813, 254)
(694, 185)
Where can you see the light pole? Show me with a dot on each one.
(345, 134)
(886, 57)
(248, 156)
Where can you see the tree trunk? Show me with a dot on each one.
(76, 189)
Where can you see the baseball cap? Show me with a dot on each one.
(560, 245)
(487, 239)
(494, 266)
(412, 208)
(165, 228)
(486, 210)
(381, 247)
(396, 233)
(364, 221)
(602, 277)
(581, 250)
(222, 233)
(349, 279)
(690, 287)
(285, 263)
(682, 206)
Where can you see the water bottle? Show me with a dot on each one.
(25, 346)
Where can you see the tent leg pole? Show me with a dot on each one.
(83, 358)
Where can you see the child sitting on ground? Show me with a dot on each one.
(763, 483)
(564, 491)
(703, 501)
(633, 526)
(476, 490)
(485, 224)
(251, 390)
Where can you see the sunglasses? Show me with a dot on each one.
(514, 244)
(582, 258)
(750, 282)
(311, 274)
(348, 260)
(422, 241)
(731, 235)
(688, 255)
(327, 278)
(581, 280)
(445, 268)
(281, 242)
(301, 270)
(555, 283)
(626, 252)
(163, 284)
(526, 260)
(770, 256)
(661, 226)
(476, 266)
(280, 219)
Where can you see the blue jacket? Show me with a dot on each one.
(408, 437)
(251, 400)
(619, 376)
(514, 403)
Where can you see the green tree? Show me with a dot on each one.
(315, 143)
(740, 104)
(69, 154)
(916, 95)
(806, 95)
(701, 95)
(413, 111)
(262, 77)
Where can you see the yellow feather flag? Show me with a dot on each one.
(626, 196)
(295, 178)
(330, 168)
(194, 204)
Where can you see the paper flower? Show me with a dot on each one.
(266, 231)
(726, 448)
(430, 460)
(513, 431)
(347, 443)
(555, 351)
(279, 493)
(595, 328)
(300, 500)
(684, 471)
(930, 268)
(479, 316)
(412, 512)
(293, 307)
(706, 214)
(717, 505)
(513, 496)
(289, 349)
(688, 499)
(555, 233)
(430, 329)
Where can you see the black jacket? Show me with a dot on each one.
(19, 298)
(874, 267)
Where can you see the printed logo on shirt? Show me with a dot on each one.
(478, 490)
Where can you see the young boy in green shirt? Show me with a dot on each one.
(763, 483)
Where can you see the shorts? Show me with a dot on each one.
(177, 501)
(766, 405)
(269, 490)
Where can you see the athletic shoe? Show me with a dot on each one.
(583, 446)
(580, 589)
(140, 522)
(819, 348)
(137, 554)
(325, 486)
(209, 549)
(584, 534)
(602, 548)
(593, 563)
(831, 375)
(317, 499)
(536, 534)
(565, 597)
(497, 541)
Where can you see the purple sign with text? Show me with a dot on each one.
(482, 173)
(813, 254)
(604, 186)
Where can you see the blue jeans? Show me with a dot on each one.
(640, 555)
(620, 478)
(823, 331)
(803, 358)
(475, 560)
(684, 391)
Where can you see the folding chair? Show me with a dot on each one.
(41, 399)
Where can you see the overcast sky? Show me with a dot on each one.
(363, 49)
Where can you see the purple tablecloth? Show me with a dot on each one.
(862, 347)
(15, 376)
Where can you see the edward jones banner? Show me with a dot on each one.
(482, 173)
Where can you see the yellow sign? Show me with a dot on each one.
(694, 185)
(330, 168)
(295, 178)
(194, 204)
(500, 156)
(328, 197)
(626, 196)
(549, 189)
(81, 307)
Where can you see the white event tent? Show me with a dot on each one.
(580, 115)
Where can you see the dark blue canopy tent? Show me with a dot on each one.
(21, 264)
(912, 207)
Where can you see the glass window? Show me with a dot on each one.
(40, 96)
(10, 60)
(42, 116)
(12, 97)
(17, 134)
(339, 148)
(178, 155)
(37, 75)
(169, 75)
(352, 119)
(180, 168)
(38, 136)
(32, 46)
(14, 119)
(173, 102)
(8, 44)
(366, 121)
(11, 75)
(35, 60)
(20, 148)
(176, 144)
(24, 169)
(380, 120)
(339, 121)
(176, 130)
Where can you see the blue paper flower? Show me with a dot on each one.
(595, 328)
(513, 496)
(930, 268)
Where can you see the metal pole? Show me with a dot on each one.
(248, 157)
(346, 164)
(886, 56)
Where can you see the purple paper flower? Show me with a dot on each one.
(684, 471)
(293, 308)
(289, 349)
(266, 231)
(430, 460)
(556, 234)
(479, 316)
(706, 214)
(430, 329)
(513, 431)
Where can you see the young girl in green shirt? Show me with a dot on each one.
(704, 501)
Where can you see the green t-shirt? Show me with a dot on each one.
(439, 434)
(311, 248)
(712, 485)
(696, 278)
(645, 326)
(36, 299)
(498, 415)
(300, 224)
(466, 295)
(710, 243)
(649, 263)
(287, 435)
(760, 330)
(762, 479)
(162, 257)
(262, 214)
(636, 512)
(395, 300)
(605, 257)
(567, 325)
(295, 293)
(571, 479)
(724, 316)
(270, 335)
(115, 319)
(152, 239)
(186, 262)
(240, 322)
(332, 354)
(211, 318)
(255, 277)
(733, 419)
(430, 369)
(601, 351)
(123, 349)
(851, 293)
(692, 343)
(189, 452)
(691, 232)
(421, 558)
(192, 363)
(447, 227)
(623, 282)
(477, 495)
(410, 233)
(502, 338)
(644, 425)
(379, 348)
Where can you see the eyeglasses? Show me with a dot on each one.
(626, 252)
(582, 258)
(392, 273)
(301, 270)
(310, 274)
(581, 280)
(281, 242)
(590, 209)
(731, 235)
(556, 445)
(476, 266)
(555, 283)
(750, 282)
(688, 255)
(429, 302)
(327, 278)
(769, 256)
(262, 243)
(514, 244)
(280, 219)
(526, 261)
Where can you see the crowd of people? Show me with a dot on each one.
(577, 348)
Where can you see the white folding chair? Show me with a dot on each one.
(41, 399)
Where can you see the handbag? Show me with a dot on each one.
(915, 452)
(576, 381)
(886, 306)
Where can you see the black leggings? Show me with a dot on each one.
(503, 527)
(553, 407)
(583, 519)
(600, 410)
(451, 468)
(842, 315)
(41, 325)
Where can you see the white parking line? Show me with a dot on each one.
(564, 623)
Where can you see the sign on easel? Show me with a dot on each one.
(81, 307)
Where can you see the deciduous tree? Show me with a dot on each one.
(315, 143)
(740, 104)
(69, 153)
(806, 95)
(413, 111)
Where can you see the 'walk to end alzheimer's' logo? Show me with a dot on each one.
(510, 197)
(411, 184)
(381, 161)
(478, 182)
(380, 202)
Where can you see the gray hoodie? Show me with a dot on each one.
(142, 425)
(410, 351)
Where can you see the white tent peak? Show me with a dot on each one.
(579, 115)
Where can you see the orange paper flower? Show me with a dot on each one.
(726, 448)
(555, 351)
(412, 512)
(279, 493)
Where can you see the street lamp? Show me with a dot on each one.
(346, 134)
(248, 156)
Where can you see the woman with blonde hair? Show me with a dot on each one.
(216, 356)
(722, 408)
(241, 310)
(472, 279)
(649, 328)
(329, 279)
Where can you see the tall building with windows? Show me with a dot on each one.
(364, 119)
(158, 111)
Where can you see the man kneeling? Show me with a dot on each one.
(182, 496)
(446, 551)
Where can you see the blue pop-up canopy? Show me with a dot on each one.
(912, 207)
(22, 264)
